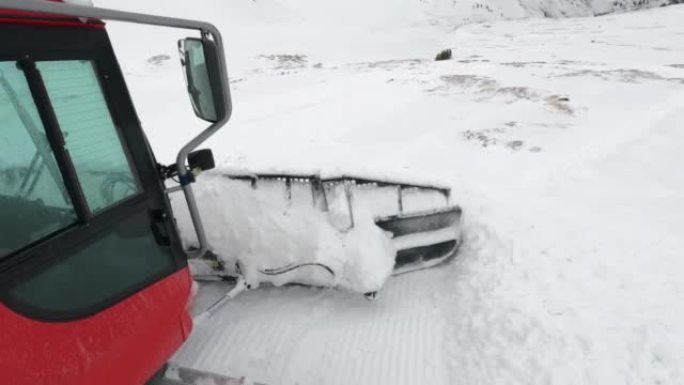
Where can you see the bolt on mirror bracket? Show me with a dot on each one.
(201, 160)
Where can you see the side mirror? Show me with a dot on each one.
(199, 58)
(201, 159)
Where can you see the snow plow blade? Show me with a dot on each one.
(424, 225)
(423, 239)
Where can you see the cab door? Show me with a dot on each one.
(93, 281)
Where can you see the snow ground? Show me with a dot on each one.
(560, 138)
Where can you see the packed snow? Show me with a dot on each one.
(560, 138)
(264, 231)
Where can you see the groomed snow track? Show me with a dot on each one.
(302, 335)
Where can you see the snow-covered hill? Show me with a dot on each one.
(561, 139)
(326, 30)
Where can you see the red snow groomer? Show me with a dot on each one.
(94, 282)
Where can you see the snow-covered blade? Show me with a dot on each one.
(424, 239)
(334, 230)
(425, 228)
(270, 235)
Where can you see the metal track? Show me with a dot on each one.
(178, 375)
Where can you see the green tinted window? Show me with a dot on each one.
(33, 199)
(89, 132)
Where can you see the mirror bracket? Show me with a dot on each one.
(202, 160)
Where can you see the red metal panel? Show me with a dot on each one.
(125, 344)
(47, 22)
(10, 16)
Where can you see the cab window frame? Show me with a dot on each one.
(50, 44)
(99, 76)
(25, 108)
(84, 214)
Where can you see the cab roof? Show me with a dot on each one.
(11, 16)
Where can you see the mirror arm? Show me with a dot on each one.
(184, 175)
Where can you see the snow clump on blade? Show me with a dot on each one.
(278, 240)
